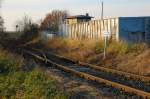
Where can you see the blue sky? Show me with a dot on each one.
(12, 10)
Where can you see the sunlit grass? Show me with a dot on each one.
(18, 83)
(119, 55)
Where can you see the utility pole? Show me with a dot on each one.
(105, 34)
(102, 10)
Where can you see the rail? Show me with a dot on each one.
(145, 95)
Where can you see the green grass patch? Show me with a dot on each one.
(18, 84)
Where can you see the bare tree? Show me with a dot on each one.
(28, 28)
(1, 24)
(53, 19)
(24, 24)
(1, 19)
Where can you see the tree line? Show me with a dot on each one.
(1, 24)
(50, 23)
(30, 29)
(1, 20)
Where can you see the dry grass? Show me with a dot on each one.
(16, 59)
(137, 64)
(127, 57)
(77, 50)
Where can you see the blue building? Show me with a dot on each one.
(134, 29)
(128, 29)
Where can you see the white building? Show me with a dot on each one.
(47, 35)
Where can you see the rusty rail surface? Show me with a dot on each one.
(145, 95)
(126, 74)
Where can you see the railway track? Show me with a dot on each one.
(122, 73)
(132, 85)
(114, 71)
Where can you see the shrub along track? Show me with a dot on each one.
(121, 82)
(130, 85)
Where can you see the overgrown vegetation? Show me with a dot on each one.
(53, 19)
(1, 24)
(17, 83)
(120, 55)
(28, 29)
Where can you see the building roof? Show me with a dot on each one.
(80, 17)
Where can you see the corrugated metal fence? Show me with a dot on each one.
(90, 30)
(147, 30)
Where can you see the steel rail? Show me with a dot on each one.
(101, 68)
(87, 76)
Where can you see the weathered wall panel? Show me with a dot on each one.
(90, 30)
(132, 29)
(147, 30)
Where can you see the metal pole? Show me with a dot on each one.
(105, 37)
(105, 46)
(102, 12)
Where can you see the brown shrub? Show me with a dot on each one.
(120, 55)
(137, 64)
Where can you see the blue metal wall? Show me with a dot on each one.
(132, 29)
(129, 29)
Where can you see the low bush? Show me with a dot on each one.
(37, 85)
(99, 47)
(118, 48)
(91, 51)
(85, 48)
(11, 84)
(18, 84)
(8, 63)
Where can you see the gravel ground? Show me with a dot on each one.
(78, 88)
